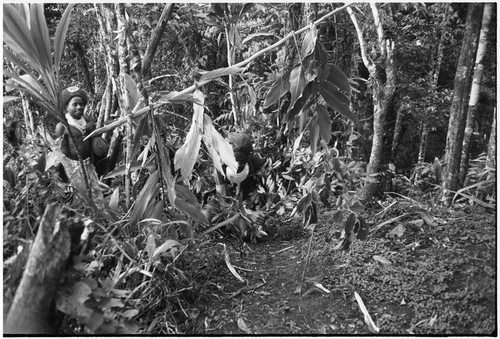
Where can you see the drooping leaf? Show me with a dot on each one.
(309, 41)
(186, 156)
(60, 37)
(217, 73)
(325, 123)
(338, 78)
(349, 224)
(304, 202)
(279, 88)
(336, 100)
(220, 149)
(297, 84)
(310, 214)
(166, 246)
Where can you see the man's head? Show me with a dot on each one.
(242, 148)
(74, 100)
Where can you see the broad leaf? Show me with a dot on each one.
(297, 84)
(335, 100)
(114, 199)
(147, 195)
(255, 35)
(184, 193)
(338, 78)
(278, 89)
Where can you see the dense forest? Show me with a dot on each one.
(369, 205)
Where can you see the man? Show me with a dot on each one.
(240, 185)
(74, 100)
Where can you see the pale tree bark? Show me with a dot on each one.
(475, 90)
(123, 97)
(491, 159)
(462, 84)
(383, 84)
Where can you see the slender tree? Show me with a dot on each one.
(378, 58)
(462, 84)
(475, 90)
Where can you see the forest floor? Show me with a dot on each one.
(414, 277)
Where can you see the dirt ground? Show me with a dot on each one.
(414, 278)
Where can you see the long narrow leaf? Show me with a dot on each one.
(60, 37)
(338, 78)
(217, 73)
(18, 37)
(297, 83)
(148, 192)
(330, 94)
(325, 123)
(40, 34)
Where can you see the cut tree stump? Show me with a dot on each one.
(32, 309)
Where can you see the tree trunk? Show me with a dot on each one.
(123, 97)
(460, 97)
(83, 65)
(383, 84)
(33, 305)
(155, 39)
(491, 159)
(422, 147)
(475, 90)
(398, 129)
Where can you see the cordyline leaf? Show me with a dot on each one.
(40, 34)
(338, 78)
(329, 93)
(297, 84)
(217, 73)
(309, 41)
(61, 30)
(26, 78)
(325, 123)
(278, 89)
(18, 37)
